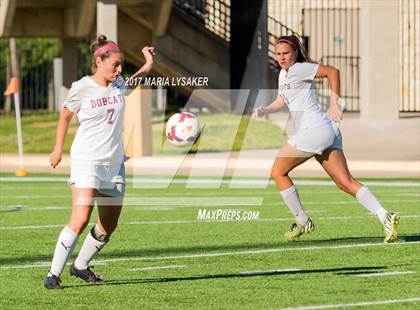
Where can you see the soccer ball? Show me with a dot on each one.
(182, 129)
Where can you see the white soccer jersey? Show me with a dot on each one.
(100, 111)
(297, 89)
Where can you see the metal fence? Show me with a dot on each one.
(329, 30)
(35, 71)
(409, 56)
(35, 60)
(275, 30)
(330, 33)
(349, 76)
(214, 14)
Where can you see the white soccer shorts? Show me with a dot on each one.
(317, 140)
(108, 180)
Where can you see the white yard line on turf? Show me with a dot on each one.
(341, 202)
(201, 222)
(172, 201)
(211, 181)
(384, 274)
(249, 252)
(185, 202)
(357, 304)
(32, 227)
(157, 267)
(37, 265)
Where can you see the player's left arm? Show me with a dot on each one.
(333, 76)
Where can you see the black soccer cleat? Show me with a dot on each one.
(52, 282)
(86, 274)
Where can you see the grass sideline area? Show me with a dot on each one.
(162, 257)
(218, 135)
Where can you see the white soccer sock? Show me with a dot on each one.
(90, 247)
(65, 245)
(292, 200)
(369, 201)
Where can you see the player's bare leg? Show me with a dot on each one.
(334, 163)
(288, 158)
(82, 205)
(109, 209)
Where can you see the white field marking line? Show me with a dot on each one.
(29, 196)
(358, 304)
(256, 272)
(206, 200)
(154, 208)
(362, 217)
(382, 274)
(157, 267)
(178, 201)
(210, 181)
(37, 265)
(249, 252)
(202, 201)
(134, 206)
(203, 222)
(200, 205)
(32, 227)
(186, 204)
(331, 187)
(210, 193)
(341, 202)
(186, 201)
(327, 218)
(33, 179)
(279, 203)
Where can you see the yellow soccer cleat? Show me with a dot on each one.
(298, 230)
(391, 227)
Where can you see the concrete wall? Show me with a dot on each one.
(379, 51)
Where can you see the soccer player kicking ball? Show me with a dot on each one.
(97, 156)
(315, 134)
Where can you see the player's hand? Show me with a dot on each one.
(334, 113)
(258, 112)
(55, 159)
(148, 53)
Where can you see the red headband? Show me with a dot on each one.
(288, 41)
(110, 46)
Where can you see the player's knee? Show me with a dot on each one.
(100, 235)
(277, 174)
(79, 224)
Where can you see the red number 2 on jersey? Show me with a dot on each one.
(110, 115)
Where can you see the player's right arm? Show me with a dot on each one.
(62, 127)
(275, 106)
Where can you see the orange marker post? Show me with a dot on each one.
(13, 89)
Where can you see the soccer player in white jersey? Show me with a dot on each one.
(315, 134)
(97, 156)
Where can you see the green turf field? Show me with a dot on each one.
(39, 134)
(162, 257)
